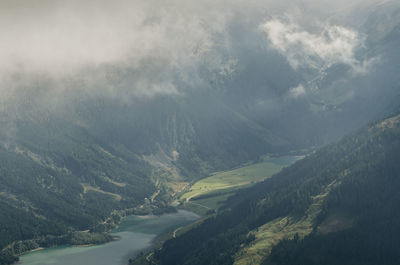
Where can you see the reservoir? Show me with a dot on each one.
(137, 233)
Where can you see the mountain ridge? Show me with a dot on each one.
(329, 172)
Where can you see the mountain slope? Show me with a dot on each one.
(53, 182)
(69, 168)
(360, 222)
(342, 186)
(72, 153)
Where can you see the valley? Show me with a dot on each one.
(204, 197)
(138, 233)
(200, 132)
(209, 194)
(324, 198)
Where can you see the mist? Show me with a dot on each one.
(264, 59)
(103, 44)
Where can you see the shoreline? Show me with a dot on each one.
(114, 238)
(153, 238)
(34, 250)
(27, 252)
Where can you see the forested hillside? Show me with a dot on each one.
(123, 119)
(53, 183)
(359, 223)
(69, 168)
(340, 194)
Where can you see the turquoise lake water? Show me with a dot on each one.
(137, 233)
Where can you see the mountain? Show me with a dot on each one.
(82, 167)
(127, 135)
(336, 206)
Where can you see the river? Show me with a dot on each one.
(137, 233)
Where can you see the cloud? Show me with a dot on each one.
(331, 45)
(297, 91)
(59, 37)
(135, 48)
(146, 47)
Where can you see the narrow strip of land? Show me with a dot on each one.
(175, 231)
(208, 208)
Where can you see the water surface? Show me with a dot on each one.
(136, 233)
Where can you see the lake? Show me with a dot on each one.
(137, 233)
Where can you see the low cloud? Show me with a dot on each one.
(105, 47)
(331, 45)
(298, 91)
(126, 48)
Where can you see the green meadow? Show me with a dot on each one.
(209, 194)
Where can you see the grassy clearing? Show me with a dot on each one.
(239, 177)
(119, 184)
(210, 193)
(269, 234)
(87, 188)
